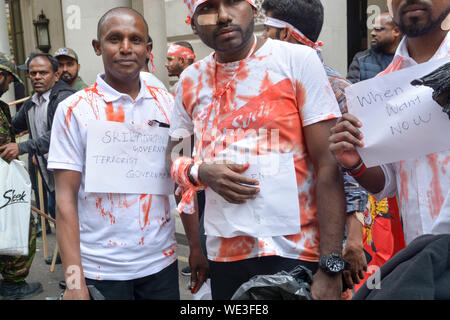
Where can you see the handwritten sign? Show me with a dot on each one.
(275, 212)
(123, 158)
(400, 121)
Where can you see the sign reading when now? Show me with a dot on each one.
(400, 121)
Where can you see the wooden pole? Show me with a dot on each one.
(46, 216)
(55, 254)
(41, 202)
(18, 101)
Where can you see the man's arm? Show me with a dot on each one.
(353, 252)
(225, 179)
(68, 233)
(330, 205)
(197, 260)
(19, 121)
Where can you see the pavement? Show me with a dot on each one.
(40, 271)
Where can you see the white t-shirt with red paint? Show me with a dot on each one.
(122, 236)
(282, 88)
(423, 183)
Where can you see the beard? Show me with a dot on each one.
(415, 30)
(67, 77)
(380, 46)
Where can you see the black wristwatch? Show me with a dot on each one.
(333, 263)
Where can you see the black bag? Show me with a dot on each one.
(293, 285)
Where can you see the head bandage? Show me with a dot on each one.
(178, 51)
(297, 34)
(192, 5)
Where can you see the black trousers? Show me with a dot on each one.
(227, 277)
(160, 286)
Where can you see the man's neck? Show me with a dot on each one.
(130, 87)
(422, 49)
(225, 57)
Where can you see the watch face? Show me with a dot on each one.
(335, 264)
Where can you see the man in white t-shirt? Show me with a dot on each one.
(422, 183)
(124, 244)
(247, 92)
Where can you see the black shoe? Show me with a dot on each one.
(20, 290)
(186, 271)
(49, 260)
(62, 285)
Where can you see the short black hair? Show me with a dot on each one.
(118, 9)
(53, 61)
(149, 39)
(306, 15)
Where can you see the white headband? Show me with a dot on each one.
(297, 34)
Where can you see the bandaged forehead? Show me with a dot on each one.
(178, 51)
(207, 19)
(192, 5)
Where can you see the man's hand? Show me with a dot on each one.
(35, 162)
(199, 269)
(9, 152)
(345, 137)
(227, 181)
(353, 253)
(326, 287)
(77, 294)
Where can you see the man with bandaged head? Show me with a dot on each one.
(247, 90)
(180, 55)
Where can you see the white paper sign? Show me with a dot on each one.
(400, 121)
(130, 159)
(275, 212)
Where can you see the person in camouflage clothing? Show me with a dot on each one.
(14, 270)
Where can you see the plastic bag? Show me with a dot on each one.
(15, 203)
(293, 285)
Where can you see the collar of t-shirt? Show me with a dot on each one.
(402, 52)
(111, 95)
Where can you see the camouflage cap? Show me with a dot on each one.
(7, 64)
(66, 52)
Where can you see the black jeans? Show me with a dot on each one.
(160, 286)
(227, 277)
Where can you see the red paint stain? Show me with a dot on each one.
(169, 252)
(145, 203)
(445, 164)
(237, 247)
(114, 115)
(70, 111)
(301, 94)
(103, 212)
(436, 199)
(188, 94)
(403, 183)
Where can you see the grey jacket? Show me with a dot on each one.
(39, 146)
